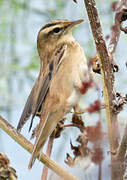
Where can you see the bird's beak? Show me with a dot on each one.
(74, 23)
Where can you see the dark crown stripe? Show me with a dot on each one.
(49, 25)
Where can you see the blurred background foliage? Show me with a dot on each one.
(20, 22)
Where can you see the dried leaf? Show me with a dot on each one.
(4, 161)
(59, 128)
(69, 160)
(83, 162)
(78, 122)
(82, 139)
(124, 14)
(6, 172)
(77, 119)
(95, 64)
(82, 158)
(76, 149)
(82, 149)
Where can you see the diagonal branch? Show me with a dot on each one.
(11, 131)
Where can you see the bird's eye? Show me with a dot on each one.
(56, 30)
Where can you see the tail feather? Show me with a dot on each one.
(47, 125)
(40, 141)
(46, 131)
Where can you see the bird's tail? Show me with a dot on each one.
(46, 130)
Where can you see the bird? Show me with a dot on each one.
(63, 78)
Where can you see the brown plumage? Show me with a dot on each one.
(62, 74)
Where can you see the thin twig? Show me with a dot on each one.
(121, 156)
(99, 171)
(70, 125)
(11, 131)
(123, 146)
(116, 28)
(114, 36)
(48, 153)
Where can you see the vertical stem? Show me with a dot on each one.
(48, 153)
(99, 171)
(107, 77)
(106, 71)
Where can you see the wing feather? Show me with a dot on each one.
(56, 64)
(27, 111)
(33, 104)
(50, 72)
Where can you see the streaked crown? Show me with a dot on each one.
(54, 33)
(56, 29)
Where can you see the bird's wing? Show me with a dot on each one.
(43, 85)
(49, 74)
(52, 69)
(27, 111)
